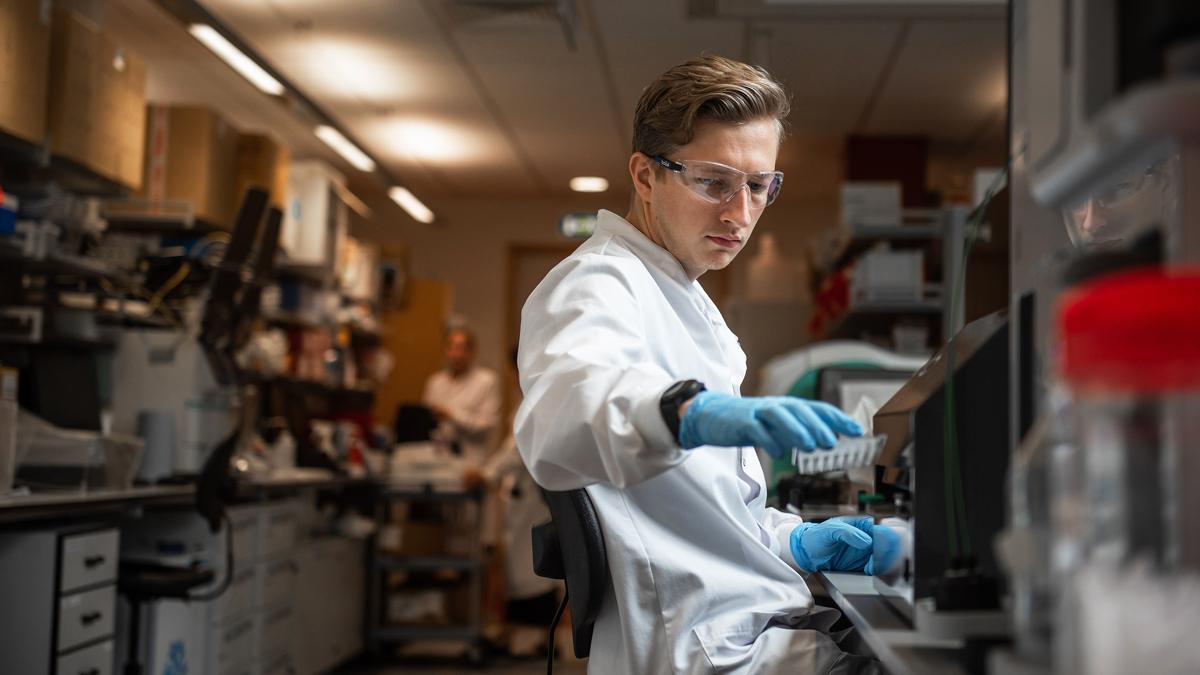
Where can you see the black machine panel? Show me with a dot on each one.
(916, 458)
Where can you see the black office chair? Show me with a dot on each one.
(571, 547)
(142, 584)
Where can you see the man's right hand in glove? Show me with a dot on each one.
(777, 424)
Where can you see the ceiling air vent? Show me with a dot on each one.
(516, 14)
(845, 9)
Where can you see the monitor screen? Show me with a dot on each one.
(847, 387)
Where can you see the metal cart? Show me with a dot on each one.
(380, 632)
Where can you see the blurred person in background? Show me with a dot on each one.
(466, 399)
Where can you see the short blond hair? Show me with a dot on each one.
(705, 88)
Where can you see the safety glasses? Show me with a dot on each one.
(717, 183)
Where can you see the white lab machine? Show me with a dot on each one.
(168, 371)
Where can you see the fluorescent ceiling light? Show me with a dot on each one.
(411, 205)
(342, 146)
(357, 205)
(890, 3)
(244, 65)
(589, 184)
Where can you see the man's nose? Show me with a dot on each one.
(737, 207)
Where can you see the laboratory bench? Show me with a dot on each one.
(890, 637)
(286, 608)
(21, 508)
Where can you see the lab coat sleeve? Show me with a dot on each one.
(428, 396)
(779, 525)
(591, 409)
(504, 462)
(482, 418)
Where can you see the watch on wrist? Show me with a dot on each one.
(675, 396)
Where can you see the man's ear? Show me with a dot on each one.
(641, 171)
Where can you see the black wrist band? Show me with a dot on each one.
(675, 396)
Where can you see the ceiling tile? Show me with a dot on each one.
(949, 80)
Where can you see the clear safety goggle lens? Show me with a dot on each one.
(718, 183)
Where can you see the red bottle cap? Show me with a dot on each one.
(1136, 331)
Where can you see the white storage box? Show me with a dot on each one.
(316, 219)
(889, 276)
(870, 204)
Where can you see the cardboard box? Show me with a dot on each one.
(262, 163)
(191, 156)
(24, 67)
(422, 539)
(97, 98)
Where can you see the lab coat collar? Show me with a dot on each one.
(610, 224)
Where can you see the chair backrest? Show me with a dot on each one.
(571, 547)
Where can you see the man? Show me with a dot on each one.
(631, 382)
(465, 398)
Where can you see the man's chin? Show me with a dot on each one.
(719, 261)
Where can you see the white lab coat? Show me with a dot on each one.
(524, 509)
(703, 579)
(472, 402)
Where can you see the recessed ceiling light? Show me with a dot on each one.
(589, 184)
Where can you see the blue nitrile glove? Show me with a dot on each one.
(843, 545)
(774, 423)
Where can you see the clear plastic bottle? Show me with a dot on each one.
(1124, 500)
(1039, 559)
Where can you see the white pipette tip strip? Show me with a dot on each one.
(846, 454)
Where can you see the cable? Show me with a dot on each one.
(206, 241)
(170, 284)
(957, 529)
(228, 581)
(553, 627)
(137, 290)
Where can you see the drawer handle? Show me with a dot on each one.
(90, 618)
(93, 560)
(90, 671)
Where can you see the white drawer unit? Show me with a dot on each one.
(274, 632)
(85, 617)
(247, 532)
(94, 660)
(327, 628)
(89, 559)
(232, 647)
(248, 628)
(59, 591)
(276, 582)
(277, 525)
(238, 600)
(280, 665)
